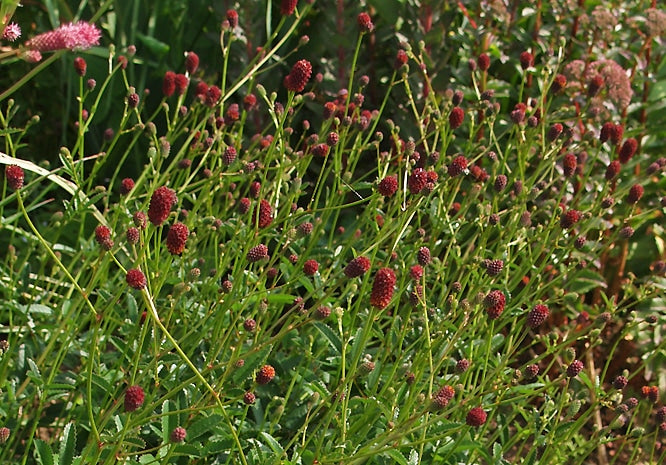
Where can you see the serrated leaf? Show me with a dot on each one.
(43, 453)
(67, 445)
(396, 456)
(169, 422)
(413, 458)
(203, 425)
(331, 336)
(33, 371)
(272, 443)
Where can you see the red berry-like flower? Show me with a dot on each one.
(494, 304)
(500, 183)
(161, 203)
(417, 180)
(322, 312)
(620, 382)
(458, 166)
(265, 216)
(416, 272)
(613, 170)
(176, 238)
(364, 22)
(635, 193)
(456, 117)
(651, 393)
(483, 61)
(178, 434)
(15, 176)
(595, 85)
(616, 134)
(400, 59)
(555, 131)
(249, 398)
(382, 288)
(244, 205)
(265, 374)
(628, 150)
(299, 76)
(181, 82)
(423, 256)
(493, 267)
(229, 156)
(232, 17)
(388, 186)
(442, 397)
(4, 434)
(462, 365)
(80, 66)
(320, 150)
(605, 132)
(476, 417)
(256, 253)
(213, 95)
(310, 267)
(537, 315)
(132, 235)
(140, 220)
(287, 7)
(126, 185)
(191, 62)
(102, 234)
(569, 218)
(526, 60)
(357, 267)
(531, 371)
(574, 368)
(134, 397)
(169, 83)
(559, 83)
(133, 100)
(135, 278)
(569, 164)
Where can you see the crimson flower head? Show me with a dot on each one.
(15, 176)
(265, 374)
(310, 267)
(71, 36)
(537, 315)
(136, 279)
(80, 66)
(526, 60)
(357, 267)
(483, 61)
(287, 7)
(169, 83)
(494, 303)
(365, 23)
(134, 397)
(456, 117)
(628, 150)
(176, 238)
(161, 203)
(635, 193)
(476, 417)
(299, 76)
(382, 288)
(191, 62)
(458, 166)
(388, 186)
(265, 216)
(232, 17)
(569, 218)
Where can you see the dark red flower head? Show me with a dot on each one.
(526, 60)
(613, 170)
(265, 216)
(134, 397)
(417, 180)
(299, 76)
(388, 186)
(256, 253)
(456, 117)
(265, 374)
(483, 61)
(178, 434)
(382, 288)
(476, 417)
(357, 267)
(15, 176)
(628, 150)
(287, 7)
(364, 22)
(161, 203)
(537, 315)
(635, 193)
(574, 368)
(458, 166)
(569, 218)
(232, 17)
(559, 83)
(494, 303)
(176, 238)
(136, 279)
(310, 267)
(191, 63)
(80, 66)
(169, 83)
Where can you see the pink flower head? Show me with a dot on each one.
(71, 36)
(12, 32)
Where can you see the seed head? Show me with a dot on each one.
(526, 60)
(635, 193)
(416, 272)
(364, 22)
(613, 170)
(620, 382)
(388, 186)
(569, 218)
(265, 374)
(256, 253)
(660, 415)
(140, 220)
(476, 417)
(483, 61)
(265, 217)
(299, 76)
(569, 164)
(493, 267)
(134, 397)
(229, 156)
(382, 288)
(537, 316)
(574, 368)
(133, 100)
(310, 267)
(458, 166)
(161, 203)
(456, 117)
(176, 238)
(191, 63)
(628, 150)
(357, 267)
(626, 232)
(15, 176)
(494, 303)
(135, 278)
(178, 434)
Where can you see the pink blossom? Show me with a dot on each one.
(12, 32)
(71, 36)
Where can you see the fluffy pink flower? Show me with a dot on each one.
(71, 36)
(12, 32)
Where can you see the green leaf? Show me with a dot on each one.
(331, 336)
(397, 456)
(169, 422)
(67, 444)
(203, 425)
(586, 280)
(43, 453)
(34, 373)
(251, 362)
(272, 443)
(155, 46)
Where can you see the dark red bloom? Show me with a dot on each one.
(483, 61)
(15, 176)
(176, 238)
(287, 7)
(569, 164)
(357, 267)
(244, 205)
(133, 100)
(635, 193)
(500, 183)
(493, 267)
(388, 186)
(416, 272)
(458, 166)
(628, 150)
(616, 134)
(256, 253)
(382, 288)
(132, 234)
(400, 59)
(134, 397)
(169, 83)
(135, 278)
(320, 150)
(126, 185)
(417, 180)
(265, 374)
(423, 256)
(606, 131)
(620, 382)
(569, 218)
(651, 393)
(613, 170)
(178, 434)
(265, 216)
(232, 17)
(80, 66)
(299, 76)
(537, 315)
(456, 117)
(526, 60)
(103, 237)
(442, 397)
(191, 63)
(476, 417)
(161, 203)
(181, 82)
(494, 303)
(364, 22)
(555, 131)
(559, 83)
(574, 368)
(229, 156)
(595, 85)
(310, 267)
(249, 398)
(249, 102)
(213, 95)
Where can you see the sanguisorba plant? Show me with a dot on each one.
(294, 278)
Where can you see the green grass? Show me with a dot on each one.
(356, 381)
